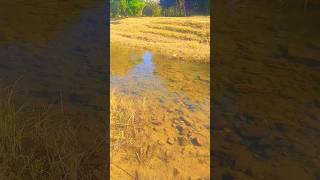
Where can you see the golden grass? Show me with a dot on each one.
(126, 115)
(185, 38)
(125, 121)
(39, 145)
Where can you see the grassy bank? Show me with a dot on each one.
(185, 38)
(39, 144)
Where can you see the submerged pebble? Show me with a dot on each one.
(198, 141)
(170, 140)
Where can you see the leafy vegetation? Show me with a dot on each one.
(121, 8)
(124, 8)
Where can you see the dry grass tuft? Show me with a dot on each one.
(39, 145)
(126, 115)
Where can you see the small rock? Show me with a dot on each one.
(204, 78)
(156, 122)
(170, 110)
(170, 140)
(198, 141)
(160, 142)
(168, 155)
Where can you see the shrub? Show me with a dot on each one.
(118, 8)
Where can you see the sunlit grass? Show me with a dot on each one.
(185, 38)
(125, 116)
(129, 119)
(37, 145)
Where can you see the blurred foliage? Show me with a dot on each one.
(192, 7)
(121, 8)
(172, 11)
(152, 9)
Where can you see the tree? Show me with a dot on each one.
(119, 7)
(136, 7)
(126, 7)
(173, 7)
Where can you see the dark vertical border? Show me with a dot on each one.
(107, 50)
(211, 88)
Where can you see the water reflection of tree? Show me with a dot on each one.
(190, 78)
(37, 21)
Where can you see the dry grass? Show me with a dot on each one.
(185, 38)
(126, 115)
(38, 145)
(129, 135)
(124, 125)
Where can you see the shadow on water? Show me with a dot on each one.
(266, 89)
